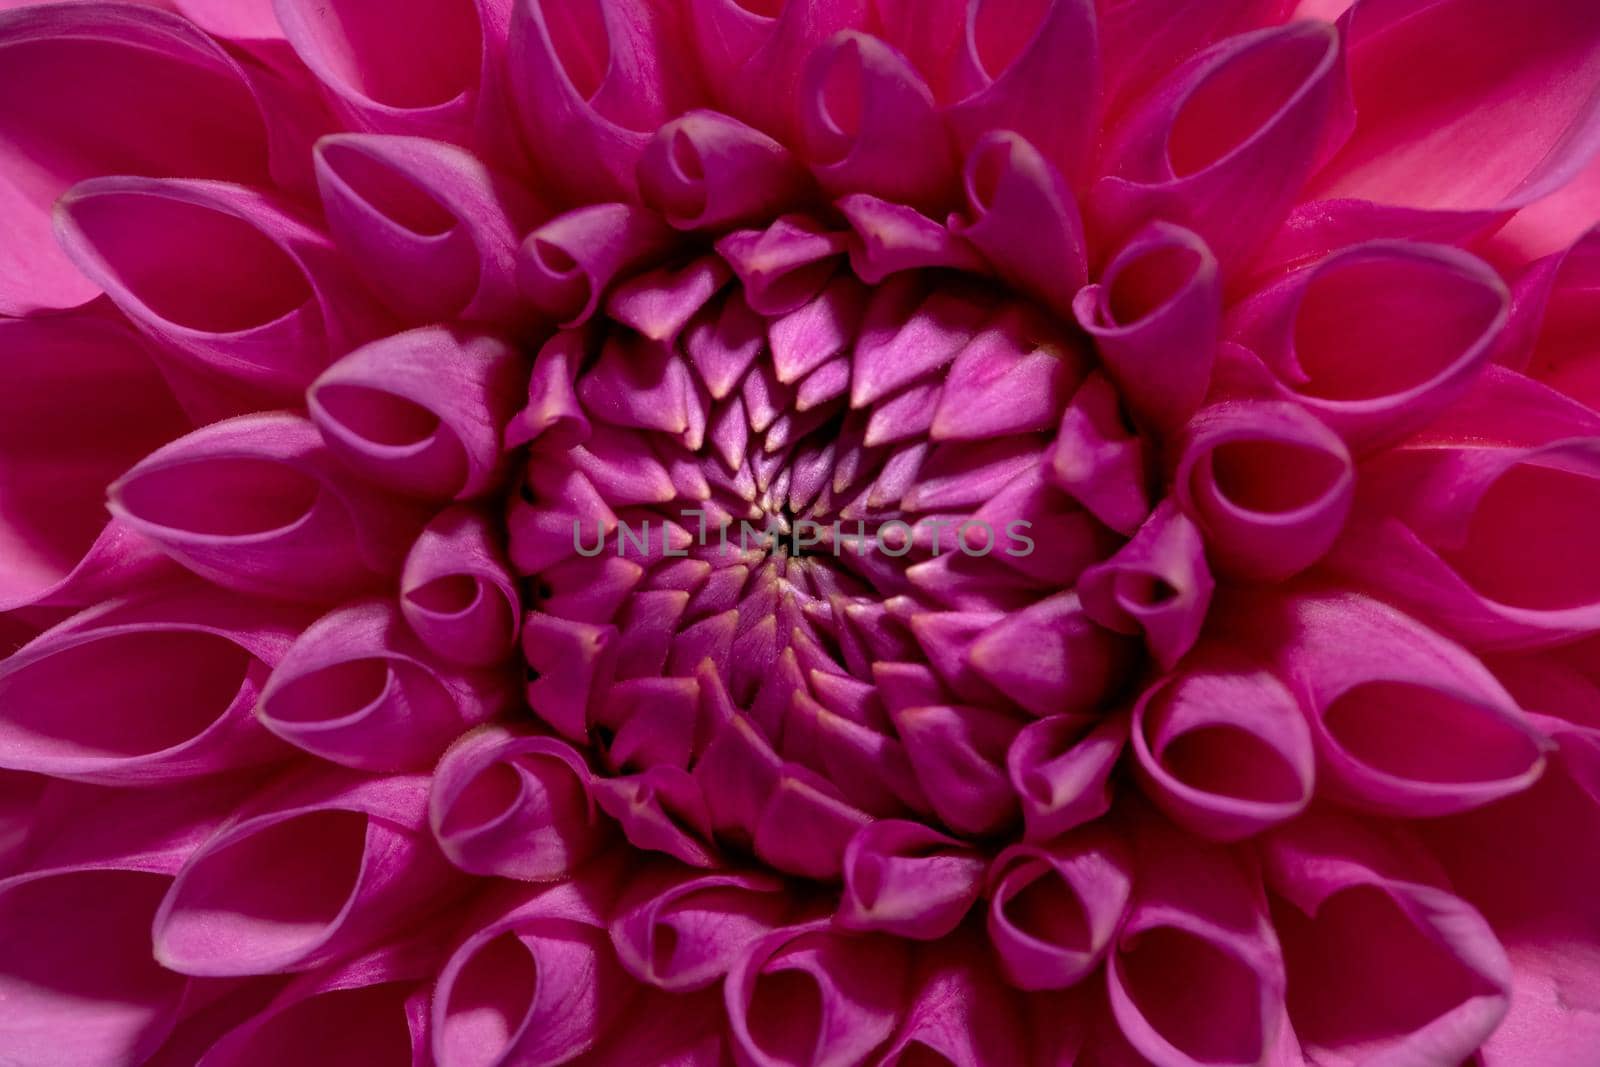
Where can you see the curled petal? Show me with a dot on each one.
(230, 282)
(1400, 967)
(961, 1012)
(1269, 485)
(1053, 909)
(905, 879)
(566, 265)
(891, 237)
(536, 981)
(1482, 89)
(661, 810)
(457, 593)
(1430, 316)
(1142, 40)
(553, 410)
(315, 868)
(1155, 316)
(1223, 748)
(257, 504)
(513, 805)
(433, 231)
(591, 82)
(809, 995)
(96, 89)
(1490, 544)
(1052, 657)
(1099, 460)
(1023, 218)
(863, 113)
(680, 929)
(785, 265)
(805, 827)
(708, 171)
(1405, 722)
(753, 55)
(1196, 975)
(1192, 155)
(374, 1006)
(958, 754)
(1158, 583)
(96, 699)
(1032, 67)
(377, 75)
(60, 376)
(358, 689)
(80, 986)
(1061, 770)
(421, 412)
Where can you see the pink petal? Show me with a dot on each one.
(905, 879)
(680, 930)
(258, 504)
(59, 376)
(421, 412)
(705, 170)
(358, 689)
(457, 593)
(316, 867)
(567, 265)
(431, 228)
(512, 805)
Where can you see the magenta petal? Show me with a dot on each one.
(457, 592)
(79, 983)
(257, 504)
(316, 867)
(373, 1006)
(707, 171)
(423, 67)
(231, 282)
(1033, 68)
(591, 82)
(905, 879)
(534, 982)
(1429, 317)
(1023, 218)
(753, 56)
(1099, 460)
(1268, 484)
(1158, 583)
(95, 698)
(783, 266)
(431, 229)
(891, 238)
(1482, 89)
(60, 376)
(1196, 974)
(1401, 969)
(1061, 769)
(962, 1013)
(1487, 543)
(514, 806)
(1154, 316)
(809, 995)
(680, 930)
(1054, 909)
(1051, 657)
(1192, 155)
(421, 412)
(1353, 663)
(567, 265)
(95, 89)
(357, 688)
(863, 113)
(1223, 747)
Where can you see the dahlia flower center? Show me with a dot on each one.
(842, 506)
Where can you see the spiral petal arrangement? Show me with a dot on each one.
(1001, 533)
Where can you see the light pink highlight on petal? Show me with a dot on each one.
(421, 412)
(514, 805)
(258, 504)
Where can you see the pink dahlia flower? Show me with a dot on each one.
(997, 533)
